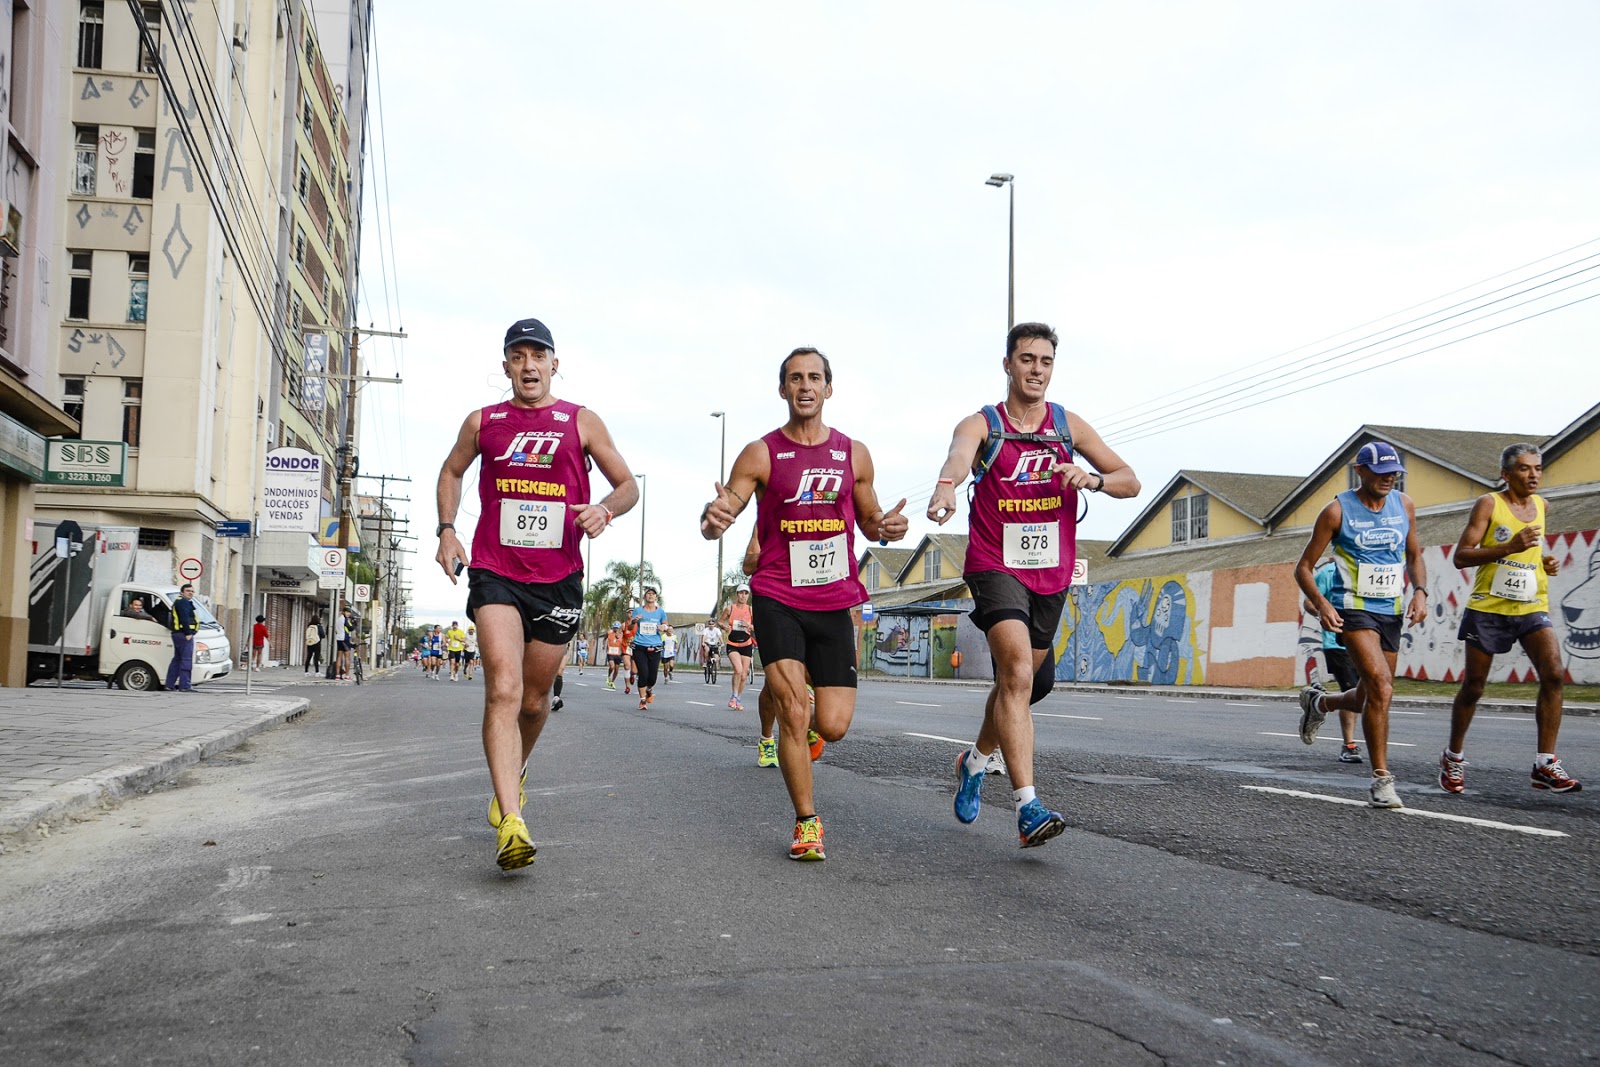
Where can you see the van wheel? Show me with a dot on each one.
(138, 677)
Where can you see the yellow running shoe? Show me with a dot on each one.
(516, 847)
(807, 843)
(767, 752)
(494, 802)
(816, 742)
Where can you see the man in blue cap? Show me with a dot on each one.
(1372, 532)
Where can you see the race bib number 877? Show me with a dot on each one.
(818, 562)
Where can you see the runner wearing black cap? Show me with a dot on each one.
(525, 585)
(1372, 531)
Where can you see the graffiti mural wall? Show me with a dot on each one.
(1141, 630)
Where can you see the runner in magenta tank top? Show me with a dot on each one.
(814, 486)
(525, 585)
(1022, 543)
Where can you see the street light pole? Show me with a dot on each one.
(722, 462)
(641, 536)
(1010, 182)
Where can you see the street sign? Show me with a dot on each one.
(363, 594)
(85, 462)
(233, 528)
(1080, 572)
(68, 536)
(868, 613)
(21, 450)
(330, 568)
(191, 569)
(314, 387)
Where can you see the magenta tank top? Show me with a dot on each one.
(531, 479)
(806, 522)
(1023, 520)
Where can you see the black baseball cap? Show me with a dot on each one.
(530, 330)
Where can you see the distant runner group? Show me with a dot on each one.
(1030, 461)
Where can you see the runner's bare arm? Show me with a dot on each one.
(875, 523)
(1113, 476)
(1416, 566)
(592, 518)
(448, 494)
(1470, 551)
(1305, 570)
(752, 552)
(751, 469)
(964, 445)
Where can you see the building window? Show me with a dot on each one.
(306, 115)
(88, 147)
(869, 575)
(132, 408)
(151, 48)
(931, 565)
(1191, 518)
(305, 180)
(300, 248)
(91, 33)
(144, 165)
(82, 264)
(138, 286)
(72, 401)
(152, 538)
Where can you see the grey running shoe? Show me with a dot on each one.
(1350, 754)
(1383, 794)
(1311, 716)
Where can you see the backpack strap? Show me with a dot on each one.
(998, 435)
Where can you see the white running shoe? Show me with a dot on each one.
(1383, 794)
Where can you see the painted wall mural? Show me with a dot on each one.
(1140, 630)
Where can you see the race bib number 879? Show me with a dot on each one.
(818, 562)
(532, 523)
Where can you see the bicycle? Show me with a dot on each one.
(711, 655)
(355, 660)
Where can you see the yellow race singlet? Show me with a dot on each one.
(1515, 585)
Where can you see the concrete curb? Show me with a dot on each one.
(81, 794)
(1204, 693)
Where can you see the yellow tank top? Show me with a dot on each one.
(1515, 585)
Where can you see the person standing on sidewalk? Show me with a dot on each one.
(185, 624)
(1373, 531)
(1022, 543)
(313, 646)
(814, 486)
(258, 641)
(525, 572)
(1509, 605)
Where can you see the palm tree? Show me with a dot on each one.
(731, 581)
(610, 597)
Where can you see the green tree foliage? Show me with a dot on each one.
(610, 597)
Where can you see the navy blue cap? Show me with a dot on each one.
(531, 331)
(1380, 457)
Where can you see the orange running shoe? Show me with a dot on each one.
(817, 744)
(807, 844)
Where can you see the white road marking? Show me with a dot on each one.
(701, 703)
(936, 737)
(1392, 711)
(1056, 715)
(1397, 744)
(914, 704)
(1537, 831)
(1129, 698)
(1243, 704)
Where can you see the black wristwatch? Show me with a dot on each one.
(1102, 484)
(443, 526)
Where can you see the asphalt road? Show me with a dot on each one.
(327, 894)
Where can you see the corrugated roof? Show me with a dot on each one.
(1577, 430)
(890, 559)
(1253, 495)
(952, 545)
(1474, 453)
(944, 589)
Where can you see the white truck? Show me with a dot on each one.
(76, 615)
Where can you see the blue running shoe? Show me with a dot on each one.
(968, 788)
(1037, 824)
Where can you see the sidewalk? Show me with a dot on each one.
(64, 751)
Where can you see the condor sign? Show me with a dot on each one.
(292, 494)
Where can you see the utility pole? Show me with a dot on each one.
(385, 522)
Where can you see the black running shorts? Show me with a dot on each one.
(1499, 634)
(825, 641)
(998, 596)
(550, 613)
(1388, 627)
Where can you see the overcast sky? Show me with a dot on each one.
(684, 193)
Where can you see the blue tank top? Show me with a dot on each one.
(1369, 555)
(648, 633)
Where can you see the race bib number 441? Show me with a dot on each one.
(532, 523)
(818, 562)
(1515, 580)
(1379, 581)
(1032, 545)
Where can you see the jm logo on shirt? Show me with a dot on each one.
(1032, 467)
(818, 485)
(537, 447)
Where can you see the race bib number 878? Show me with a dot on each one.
(1032, 545)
